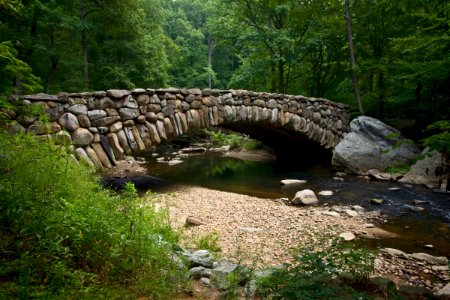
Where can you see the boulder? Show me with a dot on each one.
(128, 113)
(424, 170)
(371, 144)
(200, 258)
(82, 137)
(444, 292)
(305, 197)
(228, 274)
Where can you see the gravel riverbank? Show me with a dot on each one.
(260, 232)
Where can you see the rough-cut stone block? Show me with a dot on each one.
(84, 121)
(161, 129)
(117, 93)
(78, 109)
(106, 121)
(96, 114)
(128, 113)
(107, 148)
(183, 122)
(94, 157)
(69, 122)
(82, 137)
(137, 138)
(130, 137)
(116, 127)
(123, 141)
(115, 145)
(154, 136)
(101, 155)
(170, 131)
(81, 155)
(41, 97)
(145, 135)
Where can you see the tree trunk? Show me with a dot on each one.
(50, 74)
(352, 56)
(84, 48)
(380, 95)
(210, 47)
(281, 76)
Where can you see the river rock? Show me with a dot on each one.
(292, 181)
(351, 213)
(173, 162)
(347, 236)
(199, 272)
(434, 260)
(305, 197)
(376, 201)
(391, 252)
(220, 276)
(371, 144)
(201, 258)
(191, 221)
(326, 193)
(424, 170)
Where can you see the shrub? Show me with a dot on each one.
(313, 269)
(64, 236)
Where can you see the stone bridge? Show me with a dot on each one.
(105, 125)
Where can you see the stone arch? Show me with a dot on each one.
(103, 126)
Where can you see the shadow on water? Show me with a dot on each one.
(262, 179)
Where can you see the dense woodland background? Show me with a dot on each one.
(402, 49)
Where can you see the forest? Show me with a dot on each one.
(401, 49)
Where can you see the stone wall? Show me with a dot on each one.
(104, 126)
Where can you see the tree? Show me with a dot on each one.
(352, 56)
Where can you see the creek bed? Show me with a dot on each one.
(414, 230)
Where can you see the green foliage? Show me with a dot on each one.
(234, 140)
(12, 68)
(208, 241)
(398, 169)
(315, 265)
(441, 140)
(63, 236)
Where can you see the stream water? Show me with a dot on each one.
(262, 179)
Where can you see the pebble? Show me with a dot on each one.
(351, 213)
(376, 201)
(394, 189)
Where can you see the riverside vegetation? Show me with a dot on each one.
(64, 236)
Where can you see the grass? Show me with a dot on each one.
(64, 236)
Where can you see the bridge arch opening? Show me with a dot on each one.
(290, 148)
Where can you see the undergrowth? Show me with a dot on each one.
(64, 236)
(313, 272)
(234, 140)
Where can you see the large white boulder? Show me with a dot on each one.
(371, 144)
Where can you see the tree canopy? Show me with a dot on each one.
(285, 46)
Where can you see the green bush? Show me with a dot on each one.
(64, 236)
(314, 267)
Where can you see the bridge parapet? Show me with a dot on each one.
(105, 125)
